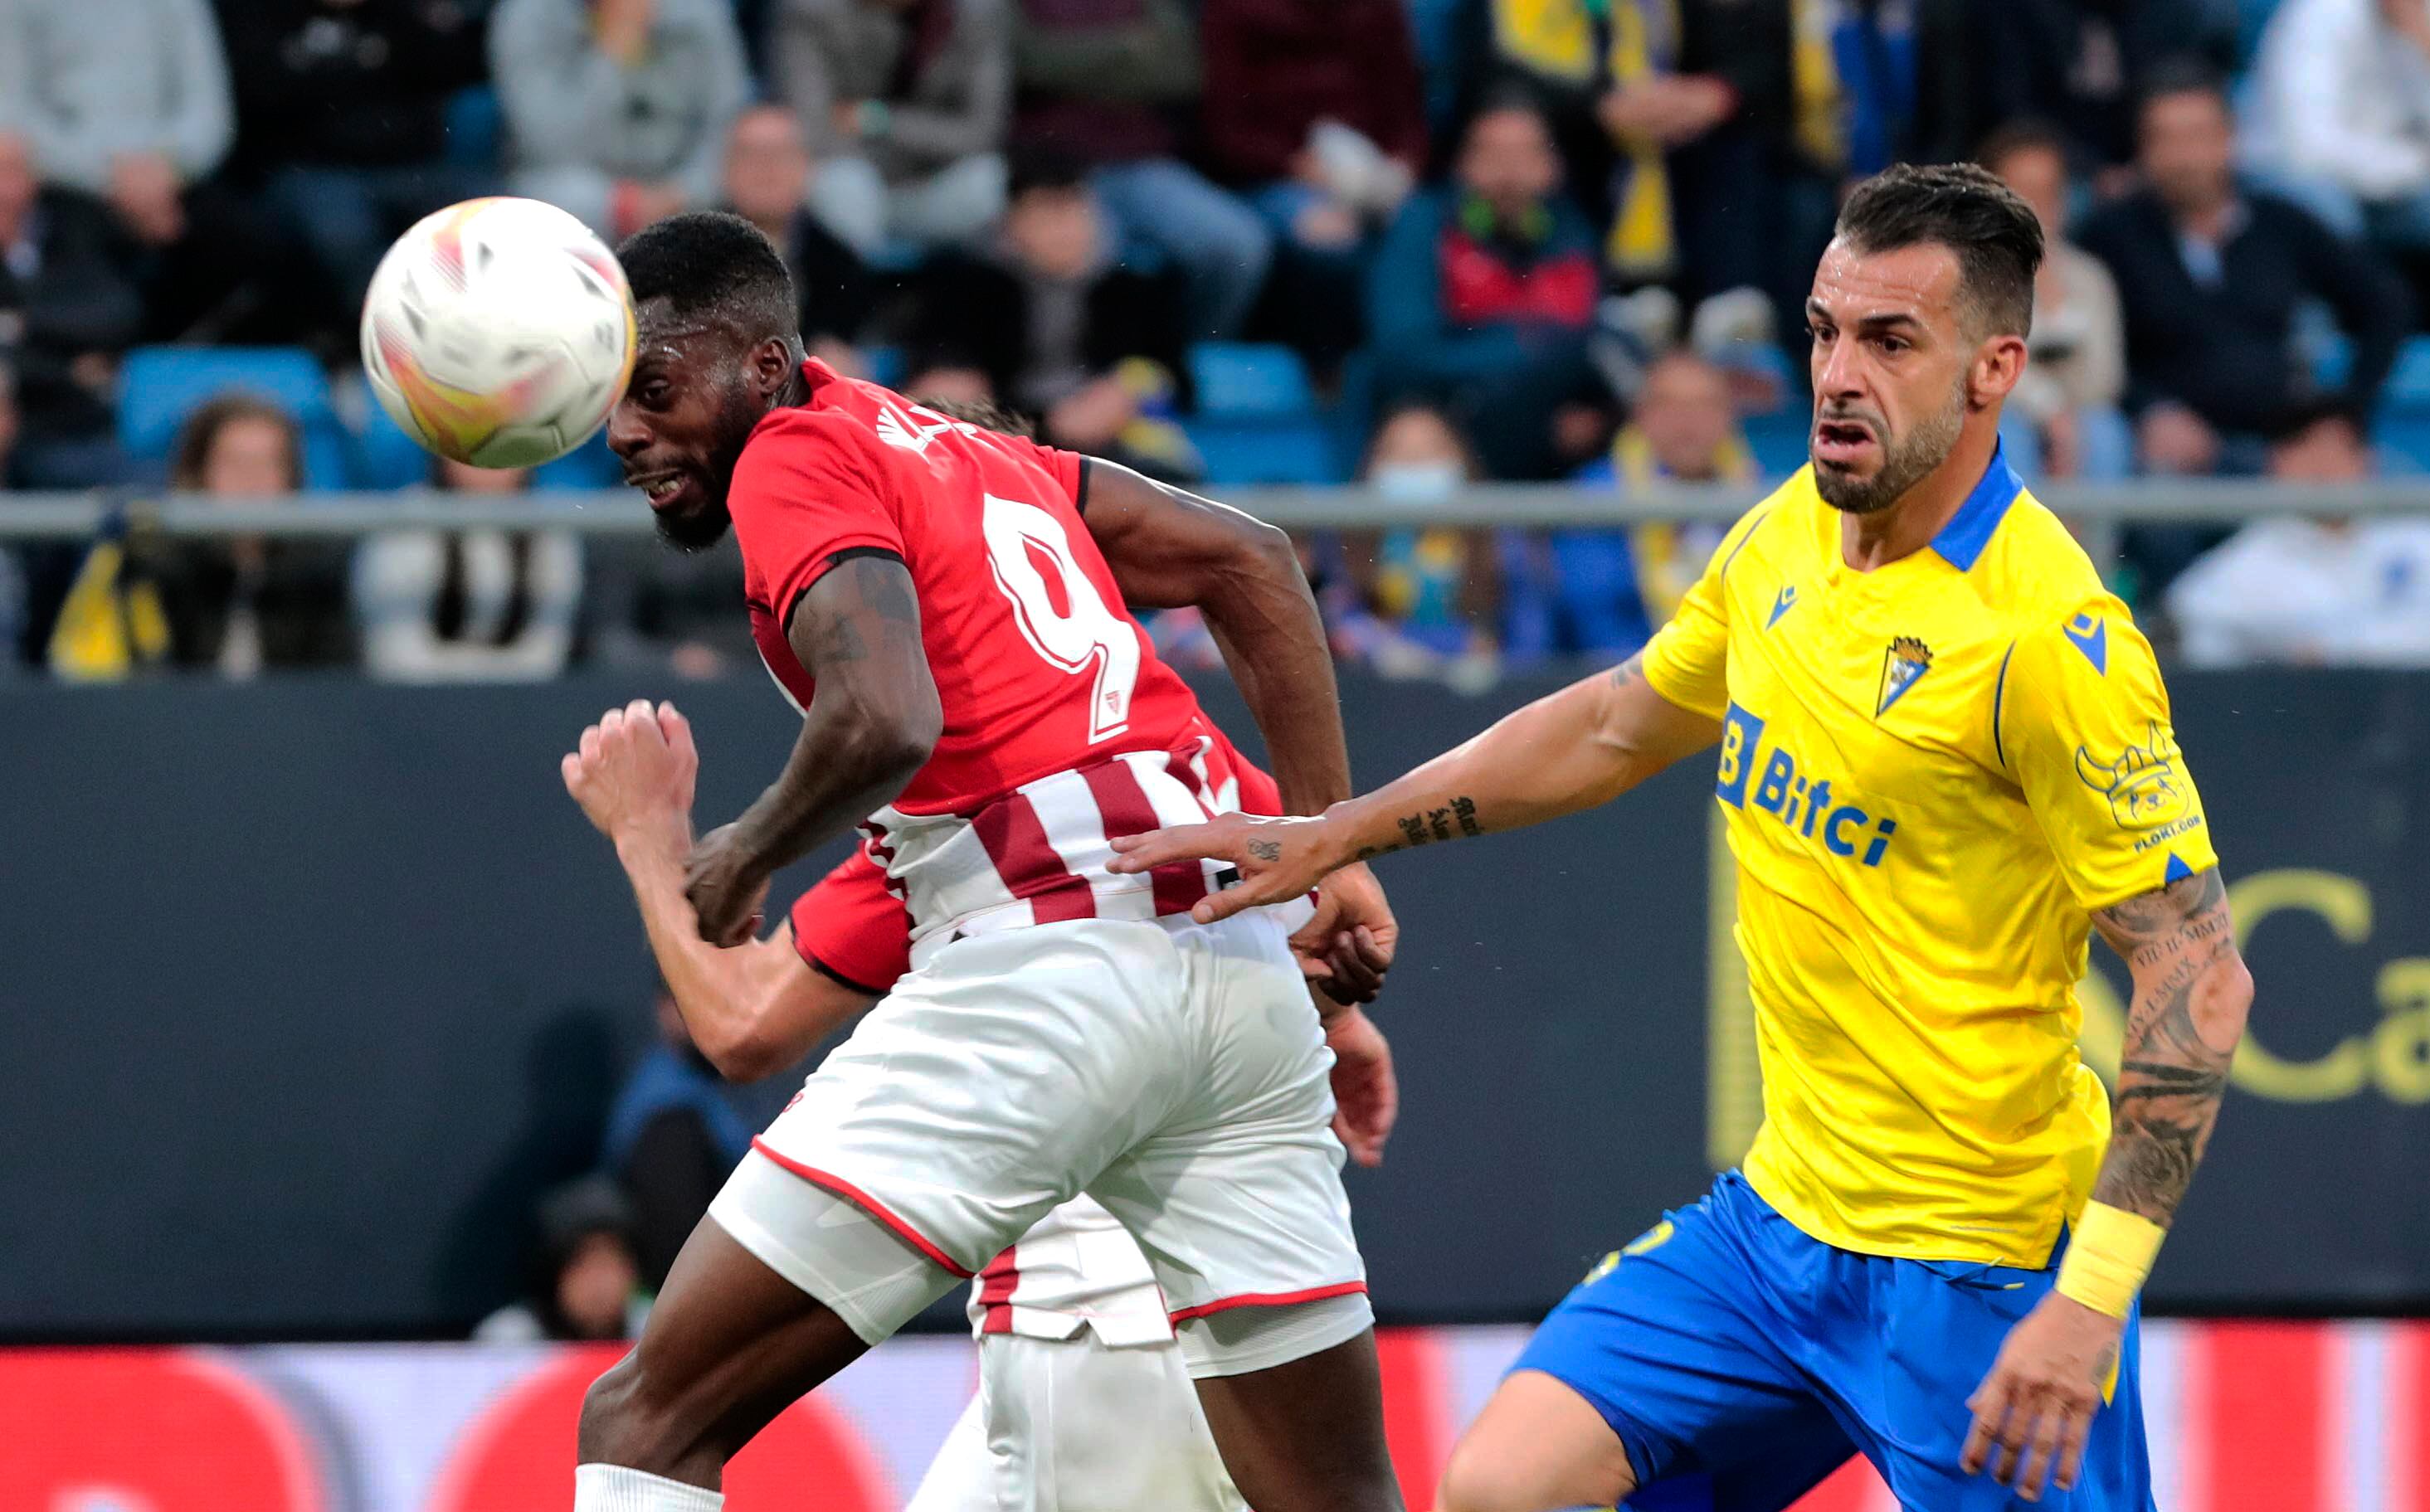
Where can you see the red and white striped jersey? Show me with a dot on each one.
(1076, 1267)
(1061, 726)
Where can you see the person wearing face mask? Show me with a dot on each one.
(1420, 601)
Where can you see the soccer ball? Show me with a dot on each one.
(498, 332)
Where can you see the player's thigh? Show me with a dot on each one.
(1084, 1428)
(991, 1083)
(1668, 1342)
(1306, 1435)
(1536, 1447)
(1940, 1326)
(1237, 1197)
(962, 1476)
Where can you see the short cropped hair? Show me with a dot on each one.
(710, 265)
(1965, 208)
(2182, 74)
(2023, 134)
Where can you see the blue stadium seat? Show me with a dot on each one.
(1239, 380)
(1246, 452)
(385, 456)
(591, 465)
(475, 127)
(161, 386)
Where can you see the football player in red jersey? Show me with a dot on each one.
(1083, 1404)
(948, 608)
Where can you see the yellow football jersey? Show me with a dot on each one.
(1932, 772)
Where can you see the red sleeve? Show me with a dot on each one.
(852, 928)
(807, 489)
(1069, 470)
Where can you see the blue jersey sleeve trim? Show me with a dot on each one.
(2000, 693)
(1732, 556)
(1961, 541)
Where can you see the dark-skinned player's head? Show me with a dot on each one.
(719, 342)
(1918, 311)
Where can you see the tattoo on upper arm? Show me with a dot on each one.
(2174, 1072)
(869, 606)
(1631, 671)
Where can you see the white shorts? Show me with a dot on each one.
(1075, 1425)
(1175, 1072)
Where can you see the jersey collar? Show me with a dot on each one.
(1969, 530)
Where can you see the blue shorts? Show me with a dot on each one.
(1742, 1361)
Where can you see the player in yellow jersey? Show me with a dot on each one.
(1946, 758)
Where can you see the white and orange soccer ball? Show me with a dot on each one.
(498, 332)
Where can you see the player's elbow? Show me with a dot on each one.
(748, 1053)
(2224, 1001)
(888, 739)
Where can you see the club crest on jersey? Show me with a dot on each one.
(1907, 660)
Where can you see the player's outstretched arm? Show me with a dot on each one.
(1172, 549)
(2192, 993)
(1582, 746)
(751, 1010)
(871, 725)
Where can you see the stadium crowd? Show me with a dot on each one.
(1417, 242)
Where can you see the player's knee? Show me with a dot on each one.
(626, 1421)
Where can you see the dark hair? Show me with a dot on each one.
(1048, 168)
(191, 456)
(2182, 75)
(986, 414)
(2024, 134)
(1503, 99)
(1965, 208)
(707, 264)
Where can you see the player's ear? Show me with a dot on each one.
(772, 364)
(1999, 363)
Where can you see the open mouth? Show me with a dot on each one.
(658, 487)
(1841, 442)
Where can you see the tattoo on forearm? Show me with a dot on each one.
(2179, 1044)
(1429, 824)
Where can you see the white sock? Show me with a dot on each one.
(614, 1488)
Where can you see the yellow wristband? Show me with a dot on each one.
(2107, 1258)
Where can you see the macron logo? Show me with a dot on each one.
(2090, 634)
(1781, 606)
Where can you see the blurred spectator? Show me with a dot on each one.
(767, 173)
(2077, 372)
(1103, 81)
(671, 1140)
(68, 309)
(127, 100)
(1891, 81)
(2339, 119)
(1061, 329)
(469, 606)
(617, 109)
(2086, 64)
(2211, 278)
(248, 605)
(586, 1283)
(1314, 110)
(1481, 297)
(341, 109)
(2311, 591)
(907, 103)
(13, 650)
(1426, 597)
(1603, 592)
